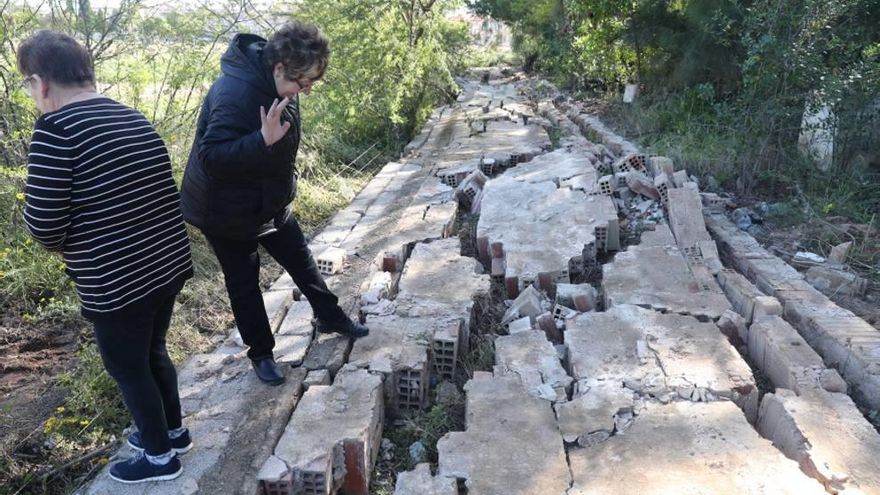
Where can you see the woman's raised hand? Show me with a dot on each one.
(272, 128)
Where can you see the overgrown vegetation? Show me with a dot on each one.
(392, 62)
(724, 88)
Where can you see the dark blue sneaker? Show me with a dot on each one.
(139, 469)
(180, 445)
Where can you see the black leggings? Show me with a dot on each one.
(133, 350)
(241, 270)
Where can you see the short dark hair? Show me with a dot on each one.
(301, 48)
(56, 57)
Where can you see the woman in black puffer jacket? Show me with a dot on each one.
(241, 178)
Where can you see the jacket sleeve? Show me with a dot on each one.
(49, 182)
(228, 148)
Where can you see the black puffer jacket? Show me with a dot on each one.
(234, 185)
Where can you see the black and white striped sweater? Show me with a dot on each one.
(100, 190)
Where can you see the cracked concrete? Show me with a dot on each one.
(663, 356)
(657, 277)
(827, 435)
(531, 357)
(511, 444)
(688, 448)
(560, 224)
(332, 438)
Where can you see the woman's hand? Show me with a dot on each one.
(272, 129)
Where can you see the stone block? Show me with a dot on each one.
(661, 165)
(523, 324)
(741, 293)
(840, 252)
(679, 178)
(419, 481)
(734, 326)
(836, 281)
(378, 288)
(641, 184)
(531, 357)
(528, 303)
(317, 377)
(828, 437)
(787, 360)
(766, 306)
(686, 218)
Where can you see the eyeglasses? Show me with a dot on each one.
(303, 82)
(26, 82)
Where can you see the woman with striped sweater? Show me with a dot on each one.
(101, 194)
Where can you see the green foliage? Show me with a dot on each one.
(724, 83)
(391, 63)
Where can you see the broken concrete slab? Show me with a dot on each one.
(659, 355)
(766, 306)
(734, 326)
(787, 360)
(333, 437)
(849, 344)
(685, 447)
(379, 288)
(291, 349)
(317, 377)
(523, 324)
(658, 278)
(489, 458)
(420, 481)
(557, 166)
(593, 410)
(740, 292)
(531, 357)
(434, 265)
(827, 435)
(659, 237)
(542, 228)
(580, 297)
(686, 218)
(527, 304)
(327, 352)
(399, 348)
(297, 320)
(641, 184)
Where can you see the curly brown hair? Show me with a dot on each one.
(56, 57)
(301, 48)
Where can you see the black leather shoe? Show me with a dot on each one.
(347, 328)
(267, 371)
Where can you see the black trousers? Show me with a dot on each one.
(132, 346)
(240, 262)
